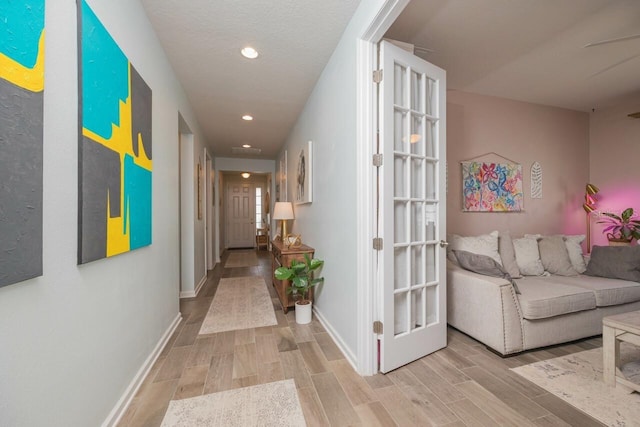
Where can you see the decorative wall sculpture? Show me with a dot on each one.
(492, 187)
(21, 105)
(536, 181)
(115, 163)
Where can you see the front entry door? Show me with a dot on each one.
(413, 207)
(241, 205)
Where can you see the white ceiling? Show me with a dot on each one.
(203, 38)
(528, 50)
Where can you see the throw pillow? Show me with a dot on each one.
(486, 244)
(508, 254)
(615, 262)
(483, 264)
(575, 252)
(528, 257)
(555, 257)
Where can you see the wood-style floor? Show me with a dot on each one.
(461, 385)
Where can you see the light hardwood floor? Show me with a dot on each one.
(461, 385)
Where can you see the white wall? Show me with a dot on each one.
(73, 339)
(329, 223)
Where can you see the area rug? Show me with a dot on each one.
(239, 303)
(241, 259)
(271, 404)
(577, 379)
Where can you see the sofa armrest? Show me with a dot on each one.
(485, 308)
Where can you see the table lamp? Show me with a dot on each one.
(283, 211)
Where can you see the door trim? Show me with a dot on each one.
(367, 98)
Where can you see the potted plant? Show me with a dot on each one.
(301, 276)
(621, 229)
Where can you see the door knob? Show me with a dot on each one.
(444, 243)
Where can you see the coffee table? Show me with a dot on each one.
(615, 329)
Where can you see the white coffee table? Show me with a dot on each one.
(615, 329)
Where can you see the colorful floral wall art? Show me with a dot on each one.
(492, 187)
(115, 163)
(21, 136)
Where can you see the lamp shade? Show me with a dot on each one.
(283, 210)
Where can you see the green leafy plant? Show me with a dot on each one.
(301, 275)
(621, 227)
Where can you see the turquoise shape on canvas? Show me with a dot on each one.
(105, 76)
(21, 24)
(137, 202)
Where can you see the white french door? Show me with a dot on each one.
(241, 205)
(412, 211)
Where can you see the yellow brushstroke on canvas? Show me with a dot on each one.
(117, 236)
(27, 78)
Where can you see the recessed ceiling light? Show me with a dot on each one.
(247, 117)
(249, 52)
(246, 175)
(246, 146)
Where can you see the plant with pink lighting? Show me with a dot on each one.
(623, 227)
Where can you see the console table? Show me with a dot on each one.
(617, 328)
(282, 255)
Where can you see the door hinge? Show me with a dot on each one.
(377, 76)
(377, 243)
(377, 160)
(377, 327)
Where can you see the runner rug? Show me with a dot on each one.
(577, 379)
(241, 259)
(271, 404)
(239, 303)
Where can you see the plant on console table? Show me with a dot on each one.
(301, 276)
(621, 229)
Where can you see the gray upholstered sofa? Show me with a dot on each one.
(550, 309)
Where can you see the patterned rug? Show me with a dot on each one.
(271, 404)
(241, 259)
(239, 303)
(577, 379)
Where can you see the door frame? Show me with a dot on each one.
(367, 124)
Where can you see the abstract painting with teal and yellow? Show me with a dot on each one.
(21, 137)
(115, 147)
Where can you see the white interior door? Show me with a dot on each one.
(413, 207)
(241, 203)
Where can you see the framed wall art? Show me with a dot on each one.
(491, 187)
(282, 178)
(304, 176)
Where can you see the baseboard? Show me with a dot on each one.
(193, 294)
(336, 338)
(123, 403)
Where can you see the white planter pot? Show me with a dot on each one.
(303, 313)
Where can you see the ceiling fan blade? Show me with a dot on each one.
(635, 115)
(618, 39)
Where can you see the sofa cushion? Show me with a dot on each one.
(575, 251)
(555, 256)
(607, 291)
(544, 297)
(486, 244)
(528, 257)
(508, 254)
(615, 262)
(484, 265)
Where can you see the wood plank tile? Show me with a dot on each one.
(316, 326)
(462, 348)
(201, 352)
(436, 384)
(550, 421)
(455, 358)
(470, 414)
(313, 357)
(130, 412)
(312, 408)
(188, 335)
(334, 401)
(245, 361)
(507, 394)
(284, 339)
(191, 382)
(270, 372)
(264, 330)
(328, 346)
(355, 387)
(403, 412)
(169, 345)
(220, 373)
(151, 376)
(245, 381)
(378, 381)
(566, 412)
(199, 311)
(282, 319)
(174, 364)
(374, 414)
(301, 333)
(223, 342)
(245, 336)
(294, 367)
(493, 406)
(154, 405)
(444, 368)
(267, 349)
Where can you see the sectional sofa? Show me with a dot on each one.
(549, 308)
